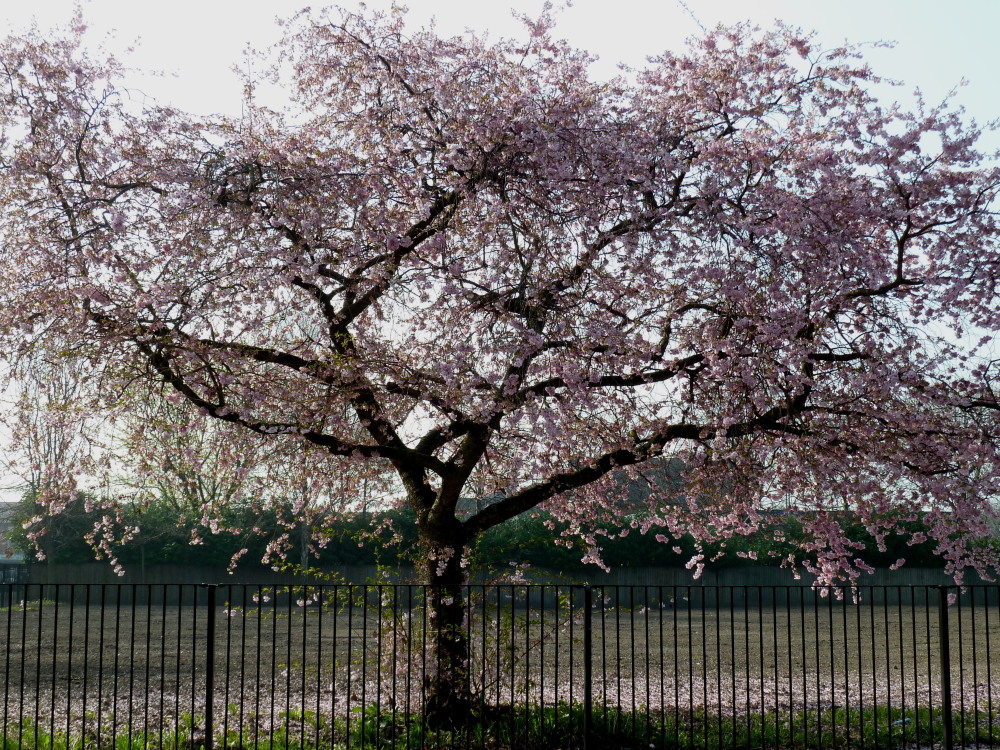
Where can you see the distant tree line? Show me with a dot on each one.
(170, 535)
(389, 538)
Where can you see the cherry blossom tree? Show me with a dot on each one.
(458, 262)
(55, 437)
(192, 470)
(48, 440)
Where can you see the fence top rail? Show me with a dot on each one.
(547, 587)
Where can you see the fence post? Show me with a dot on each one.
(944, 638)
(588, 665)
(210, 666)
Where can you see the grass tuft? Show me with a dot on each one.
(548, 728)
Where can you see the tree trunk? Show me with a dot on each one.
(448, 698)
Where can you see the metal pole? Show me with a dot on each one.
(588, 665)
(210, 666)
(944, 638)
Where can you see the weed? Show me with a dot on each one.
(547, 728)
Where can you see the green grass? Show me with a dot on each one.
(548, 728)
(31, 605)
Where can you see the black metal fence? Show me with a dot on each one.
(350, 666)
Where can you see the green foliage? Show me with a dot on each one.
(544, 728)
(528, 539)
(166, 533)
(64, 534)
(389, 538)
(525, 539)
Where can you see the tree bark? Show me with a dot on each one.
(448, 699)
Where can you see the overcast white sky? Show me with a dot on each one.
(938, 43)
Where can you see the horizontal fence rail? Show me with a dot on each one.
(553, 666)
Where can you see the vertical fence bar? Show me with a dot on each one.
(210, 666)
(703, 596)
(805, 664)
(256, 618)
(837, 682)
(945, 649)
(631, 643)
(234, 609)
(604, 600)
(777, 670)
(989, 662)
(528, 679)
(55, 661)
(959, 606)
(927, 607)
(379, 628)
(732, 659)
(7, 653)
(649, 666)
(760, 665)
(284, 669)
(916, 668)
(69, 659)
(100, 664)
(364, 664)
(572, 672)
(847, 665)
(36, 713)
(131, 658)
(973, 618)
(588, 665)
(115, 669)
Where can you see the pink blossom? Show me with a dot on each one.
(461, 267)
